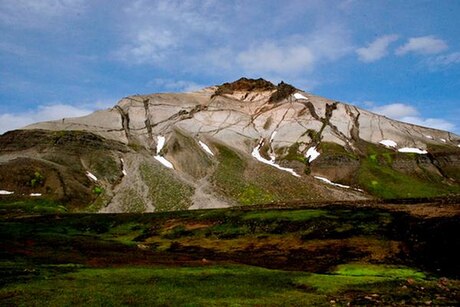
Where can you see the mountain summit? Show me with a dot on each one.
(240, 143)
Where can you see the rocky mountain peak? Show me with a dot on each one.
(243, 142)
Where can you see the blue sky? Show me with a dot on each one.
(62, 58)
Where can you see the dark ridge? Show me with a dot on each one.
(283, 91)
(244, 84)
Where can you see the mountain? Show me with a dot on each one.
(240, 143)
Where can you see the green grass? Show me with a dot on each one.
(209, 285)
(383, 181)
(349, 276)
(35, 206)
(387, 271)
(230, 180)
(187, 286)
(290, 215)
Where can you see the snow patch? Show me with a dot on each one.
(312, 154)
(443, 140)
(206, 148)
(429, 137)
(388, 143)
(413, 150)
(4, 192)
(332, 183)
(163, 161)
(161, 143)
(273, 135)
(256, 154)
(123, 170)
(91, 176)
(35, 194)
(300, 96)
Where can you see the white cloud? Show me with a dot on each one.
(422, 45)
(270, 57)
(176, 85)
(167, 32)
(436, 123)
(34, 13)
(445, 60)
(409, 114)
(296, 54)
(149, 46)
(10, 121)
(396, 110)
(377, 49)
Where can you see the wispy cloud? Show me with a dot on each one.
(410, 114)
(296, 54)
(423, 45)
(377, 49)
(444, 60)
(149, 46)
(269, 57)
(156, 32)
(176, 85)
(33, 13)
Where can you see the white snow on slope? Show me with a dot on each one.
(256, 154)
(4, 192)
(300, 96)
(429, 137)
(443, 140)
(206, 148)
(158, 157)
(273, 135)
(35, 194)
(332, 183)
(123, 171)
(413, 150)
(161, 143)
(91, 176)
(163, 161)
(312, 154)
(388, 143)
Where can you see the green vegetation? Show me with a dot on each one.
(249, 182)
(98, 190)
(289, 215)
(230, 180)
(37, 180)
(35, 206)
(381, 180)
(166, 192)
(217, 257)
(213, 285)
(132, 202)
(358, 276)
(104, 166)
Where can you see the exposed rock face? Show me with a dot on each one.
(212, 139)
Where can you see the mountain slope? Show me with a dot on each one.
(246, 142)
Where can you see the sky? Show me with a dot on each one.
(64, 58)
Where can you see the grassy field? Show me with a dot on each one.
(319, 256)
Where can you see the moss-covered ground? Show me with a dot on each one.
(315, 256)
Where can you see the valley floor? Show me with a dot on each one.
(334, 254)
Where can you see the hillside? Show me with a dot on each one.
(241, 143)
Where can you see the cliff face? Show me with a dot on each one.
(246, 142)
